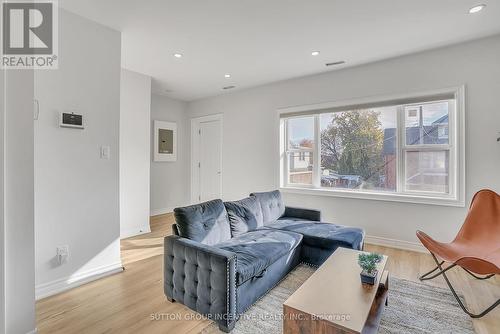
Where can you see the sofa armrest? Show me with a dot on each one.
(201, 277)
(306, 214)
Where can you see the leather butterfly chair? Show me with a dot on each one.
(476, 247)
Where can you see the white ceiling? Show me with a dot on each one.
(262, 41)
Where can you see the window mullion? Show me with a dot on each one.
(295, 150)
(317, 153)
(400, 172)
(453, 163)
(286, 170)
(428, 147)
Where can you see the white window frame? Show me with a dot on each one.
(314, 151)
(404, 148)
(455, 147)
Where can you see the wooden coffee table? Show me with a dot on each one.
(333, 299)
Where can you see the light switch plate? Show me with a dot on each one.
(105, 152)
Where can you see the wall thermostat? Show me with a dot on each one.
(71, 120)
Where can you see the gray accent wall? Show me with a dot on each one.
(170, 180)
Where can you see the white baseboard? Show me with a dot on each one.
(162, 211)
(51, 288)
(134, 231)
(394, 243)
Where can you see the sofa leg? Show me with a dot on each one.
(228, 328)
(170, 299)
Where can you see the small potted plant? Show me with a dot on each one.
(368, 262)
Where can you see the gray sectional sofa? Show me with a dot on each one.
(224, 256)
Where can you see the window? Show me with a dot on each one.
(357, 149)
(300, 146)
(387, 150)
(426, 153)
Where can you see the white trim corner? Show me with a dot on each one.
(394, 243)
(66, 283)
(374, 196)
(161, 211)
(135, 231)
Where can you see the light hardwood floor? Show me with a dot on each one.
(133, 301)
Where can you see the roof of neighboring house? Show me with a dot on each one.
(413, 136)
(442, 120)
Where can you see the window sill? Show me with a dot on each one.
(390, 197)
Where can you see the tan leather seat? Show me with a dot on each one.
(476, 248)
(477, 245)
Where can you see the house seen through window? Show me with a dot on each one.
(399, 148)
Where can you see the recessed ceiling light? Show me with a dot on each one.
(178, 55)
(314, 53)
(228, 87)
(340, 62)
(476, 9)
(227, 75)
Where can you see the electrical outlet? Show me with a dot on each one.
(62, 253)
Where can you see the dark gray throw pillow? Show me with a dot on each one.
(244, 215)
(205, 222)
(271, 204)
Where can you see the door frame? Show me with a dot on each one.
(195, 171)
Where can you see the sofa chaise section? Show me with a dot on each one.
(320, 239)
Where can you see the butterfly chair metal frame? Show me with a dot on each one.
(442, 271)
(490, 201)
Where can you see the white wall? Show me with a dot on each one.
(135, 132)
(76, 192)
(18, 245)
(250, 133)
(170, 180)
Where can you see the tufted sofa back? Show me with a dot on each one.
(271, 204)
(206, 222)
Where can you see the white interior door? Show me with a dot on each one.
(209, 159)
